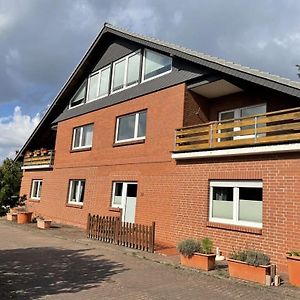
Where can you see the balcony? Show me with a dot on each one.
(270, 132)
(38, 159)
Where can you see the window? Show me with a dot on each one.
(126, 72)
(155, 64)
(36, 188)
(241, 113)
(236, 202)
(76, 192)
(131, 127)
(79, 97)
(82, 137)
(98, 84)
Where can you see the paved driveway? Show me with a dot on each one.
(62, 264)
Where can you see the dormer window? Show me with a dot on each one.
(126, 72)
(78, 98)
(155, 64)
(98, 84)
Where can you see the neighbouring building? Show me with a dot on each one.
(158, 132)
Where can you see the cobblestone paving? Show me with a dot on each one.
(62, 264)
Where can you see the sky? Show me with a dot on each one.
(42, 41)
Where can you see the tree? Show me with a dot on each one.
(10, 182)
(298, 66)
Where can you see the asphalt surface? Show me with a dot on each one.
(61, 264)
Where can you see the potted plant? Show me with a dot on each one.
(43, 223)
(197, 254)
(293, 261)
(249, 265)
(18, 207)
(11, 216)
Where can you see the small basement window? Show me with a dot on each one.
(76, 191)
(36, 189)
(236, 202)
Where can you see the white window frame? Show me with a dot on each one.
(136, 127)
(126, 58)
(81, 137)
(124, 192)
(237, 115)
(71, 182)
(84, 98)
(144, 62)
(235, 185)
(37, 182)
(98, 72)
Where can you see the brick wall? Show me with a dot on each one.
(174, 194)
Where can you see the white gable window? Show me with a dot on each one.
(82, 137)
(76, 191)
(131, 127)
(236, 202)
(79, 97)
(36, 189)
(98, 84)
(155, 64)
(126, 72)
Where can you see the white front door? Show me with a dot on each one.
(124, 196)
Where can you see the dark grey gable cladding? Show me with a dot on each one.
(107, 36)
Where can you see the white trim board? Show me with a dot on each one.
(37, 167)
(239, 151)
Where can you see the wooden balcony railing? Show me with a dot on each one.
(270, 128)
(39, 159)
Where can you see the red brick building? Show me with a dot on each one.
(201, 146)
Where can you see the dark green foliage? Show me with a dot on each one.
(10, 181)
(251, 257)
(189, 246)
(206, 245)
(294, 253)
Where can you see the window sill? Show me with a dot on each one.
(74, 205)
(230, 227)
(115, 209)
(142, 141)
(34, 200)
(81, 149)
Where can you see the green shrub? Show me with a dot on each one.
(294, 253)
(206, 245)
(251, 257)
(188, 247)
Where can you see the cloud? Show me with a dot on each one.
(15, 130)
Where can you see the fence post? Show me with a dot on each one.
(152, 237)
(88, 226)
(117, 229)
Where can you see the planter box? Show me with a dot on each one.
(11, 217)
(294, 270)
(201, 261)
(24, 217)
(43, 224)
(241, 270)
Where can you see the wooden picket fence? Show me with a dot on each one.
(112, 230)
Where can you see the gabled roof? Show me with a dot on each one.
(252, 75)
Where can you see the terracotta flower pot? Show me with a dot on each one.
(242, 270)
(294, 270)
(43, 224)
(11, 217)
(24, 217)
(201, 261)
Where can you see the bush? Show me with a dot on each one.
(294, 253)
(251, 257)
(189, 246)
